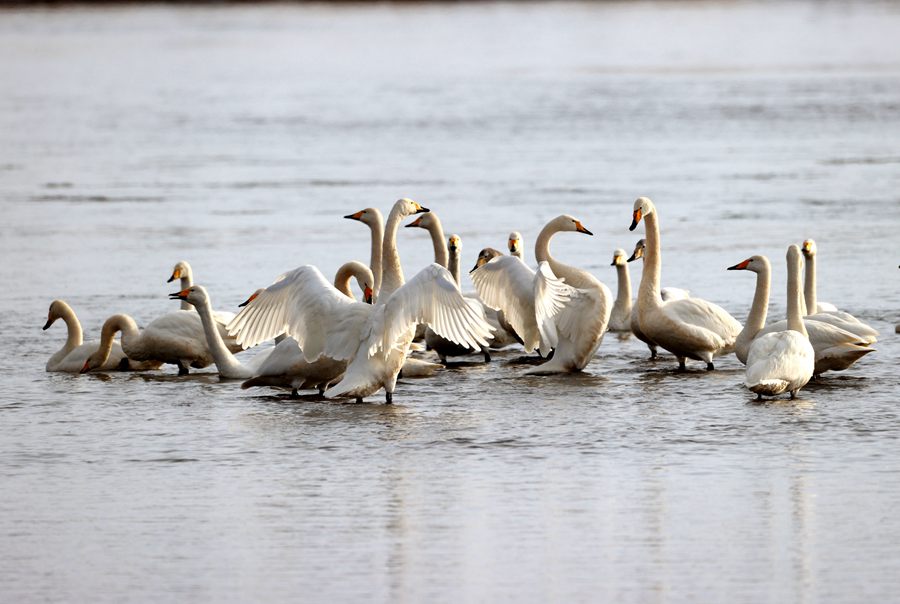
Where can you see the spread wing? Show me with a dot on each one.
(507, 284)
(431, 297)
(303, 304)
(551, 295)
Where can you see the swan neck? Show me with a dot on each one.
(809, 287)
(441, 254)
(375, 258)
(74, 334)
(759, 310)
(225, 361)
(342, 281)
(542, 243)
(623, 292)
(116, 323)
(187, 280)
(454, 267)
(794, 313)
(392, 274)
(648, 291)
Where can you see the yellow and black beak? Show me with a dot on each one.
(176, 274)
(354, 216)
(182, 295)
(636, 218)
(252, 297)
(415, 223)
(478, 264)
(740, 266)
(580, 228)
(368, 294)
(632, 257)
(420, 209)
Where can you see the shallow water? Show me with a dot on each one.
(236, 138)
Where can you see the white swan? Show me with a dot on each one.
(689, 328)
(183, 272)
(835, 349)
(514, 244)
(825, 312)
(546, 313)
(71, 357)
(620, 317)
(783, 361)
(176, 338)
(287, 366)
(375, 340)
(431, 223)
(372, 218)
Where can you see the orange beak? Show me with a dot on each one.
(636, 218)
(740, 266)
(86, 367)
(368, 294)
(176, 274)
(416, 222)
(580, 228)
(182, 295)
(356, 216)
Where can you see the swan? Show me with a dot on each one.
(374, 339)
(835, 349)
(431, 223)
(825, 312)
(620, 317)
(71, 357)
(545, 312)
(372, 218)
(783, 361)
(287, 366)
(515, 245)
(689, 328)
(183, 272)
(504, 333)
(176, 338)
(442, 346)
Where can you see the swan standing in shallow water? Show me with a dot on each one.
(71, 357)
(372, 218)
(183, 272)
(558, 307)
(375, 340)
(620, 317)
(825, 312)
(689, 328)
(783, 361)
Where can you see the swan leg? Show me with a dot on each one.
(388, 397)
(182, 368)
(710, 366)
(443, 358)
(793, 394)
(124, 364)
(486, 353)
(321, 390)
(759, 396)
(359, 400)
(681, 364)
(652, 352)
(294, 393)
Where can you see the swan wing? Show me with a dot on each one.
(782, 359)
(507, 284)
(303, 304)
(433, 298)
(704, 320)
(551, 296)
(674, 293)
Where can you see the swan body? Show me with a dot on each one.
(71, 357)
(783, 361)
(835, 349)
(373, 339)
(176, 338)
(183, 272)
(689, 328)
(823, 311)
(620, 317)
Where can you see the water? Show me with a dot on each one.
(236, 138)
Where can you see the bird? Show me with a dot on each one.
(783, 361)
(373, 339)
(689, 328)
(183, 272)
(71, 357)
(514, 244)
(372, 218)
(620, 316)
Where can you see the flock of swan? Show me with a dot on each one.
(328, 340)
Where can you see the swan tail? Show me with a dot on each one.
(769, 387)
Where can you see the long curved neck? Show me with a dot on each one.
(75, 336)
(794, 315)
(623, 294)
(114, 324)
(342, 281)
(453, 266)
(227, 365)
(392, 273)
(809, 287)
(575, 277)
(436, 229)
(756, 319)
(187, 280)
(648, 291)
(375, 258)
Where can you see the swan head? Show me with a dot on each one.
(454, 245)
(368, 294)
(54, 313)
(619, 258)
(367, 216)
(408, 207)
(195, 294)
(425, 221)
(485, 256)
(182, 269)
(515, 243)
(569, 223)
(755, 264)
(809, 248)
(643, 207)
(638, 250)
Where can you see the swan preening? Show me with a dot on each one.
(327, 339)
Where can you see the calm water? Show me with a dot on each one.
(236, 138)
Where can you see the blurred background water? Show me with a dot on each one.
(237, 136)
